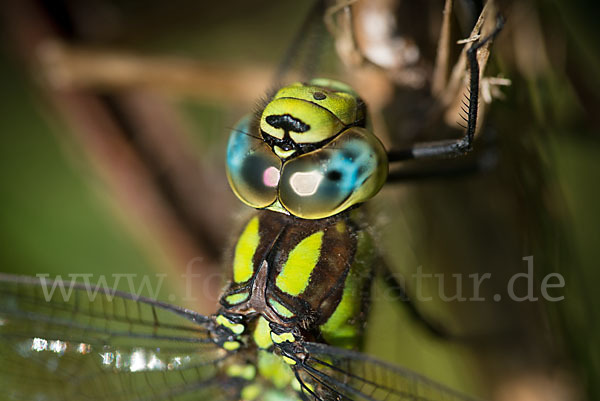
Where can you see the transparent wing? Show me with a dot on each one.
(82, 344)
(334, 373)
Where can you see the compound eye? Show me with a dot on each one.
(347, 171)
(252, 168)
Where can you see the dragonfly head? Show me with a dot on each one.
(304, 117)
(307, 153)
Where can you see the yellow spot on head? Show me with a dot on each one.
(340, 99)
(296, 271)
(340, 227)
(243, 267)
(283, 153)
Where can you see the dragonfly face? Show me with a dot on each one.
(307, 154)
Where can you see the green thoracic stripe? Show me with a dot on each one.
(243, 267)
(341, 329)
(301, 261)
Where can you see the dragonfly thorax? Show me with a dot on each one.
(312, 277)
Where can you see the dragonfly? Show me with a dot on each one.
(291, 319)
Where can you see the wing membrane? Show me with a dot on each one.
(115, 346)
(103, 345)
(333, 373)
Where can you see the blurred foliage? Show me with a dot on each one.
(54, 219)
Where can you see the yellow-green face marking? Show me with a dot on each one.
(295, 273)
(243, 267)
(318, 112)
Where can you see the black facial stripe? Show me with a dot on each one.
(287, 123)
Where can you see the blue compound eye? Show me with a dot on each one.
(349, 170)
(252, 168)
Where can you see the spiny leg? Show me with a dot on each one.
(454, 147)
(482, 162)
(478, 166)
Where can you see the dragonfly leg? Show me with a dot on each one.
(458, 168)
(460, 146)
